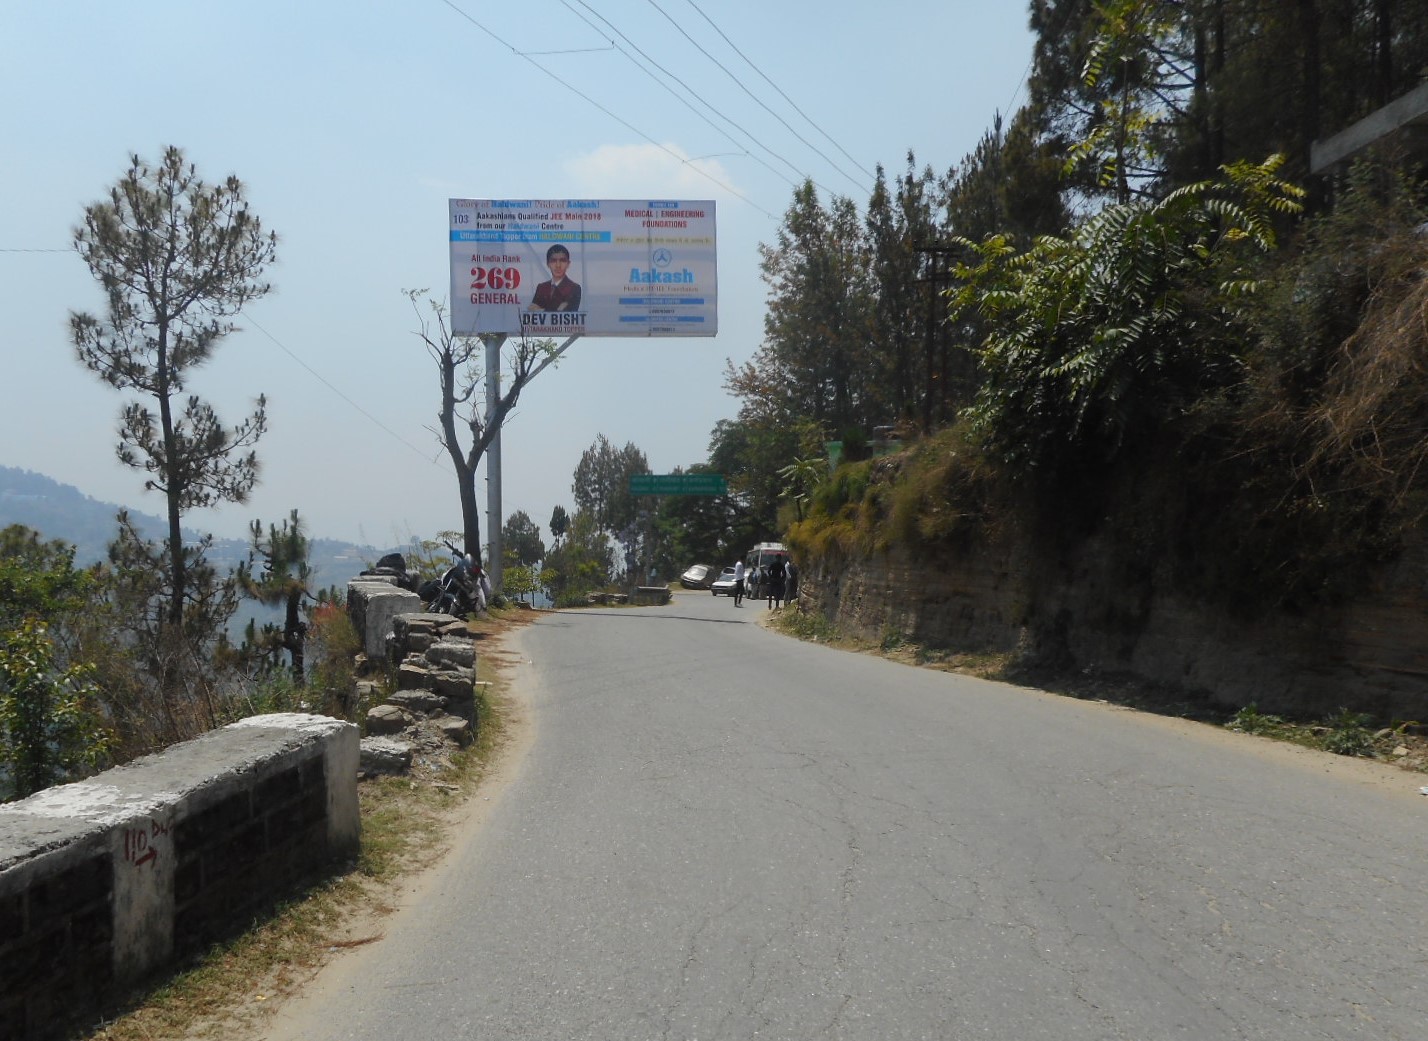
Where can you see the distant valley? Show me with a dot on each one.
(61, 511)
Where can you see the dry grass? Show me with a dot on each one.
(405, 820)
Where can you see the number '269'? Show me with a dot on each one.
(495, 277)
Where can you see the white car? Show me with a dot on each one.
(724, 583)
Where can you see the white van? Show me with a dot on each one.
(758, 559)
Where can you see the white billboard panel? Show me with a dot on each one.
(561, 267)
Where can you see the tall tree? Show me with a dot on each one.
(1220, 80)
(461, 372)
(602, 483)
(178, 661)
(750, 453)
(818, 330)
(520, 538)
(559, 522)
(695, 529)
(901, 229)
(1010, 184)
(583, 561)
(177, 259)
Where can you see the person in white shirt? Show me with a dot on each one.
(739, 584)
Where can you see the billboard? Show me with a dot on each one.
(588, 267)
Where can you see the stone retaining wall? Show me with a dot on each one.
(108, 880)
(1091, 614)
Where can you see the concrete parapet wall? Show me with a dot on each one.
(107, 880)
(373, 604)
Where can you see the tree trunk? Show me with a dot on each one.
(1310, 106)
(1382, 80)
(470, 510)
(295, 635)
(171, 493)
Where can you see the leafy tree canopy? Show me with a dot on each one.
(520, 538)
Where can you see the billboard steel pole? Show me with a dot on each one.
(493, 459)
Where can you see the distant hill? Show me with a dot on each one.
(61, 511)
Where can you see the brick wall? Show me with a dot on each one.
(56, 941)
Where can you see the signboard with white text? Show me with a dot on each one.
(678, 484)
(587, 267)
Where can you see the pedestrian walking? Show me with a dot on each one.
(739, 584)
(777, 578)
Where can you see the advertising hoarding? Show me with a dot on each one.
(587, 267)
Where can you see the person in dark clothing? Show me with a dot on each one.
(776, 578)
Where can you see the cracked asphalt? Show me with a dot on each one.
(716, 832)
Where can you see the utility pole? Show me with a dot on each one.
(936, 361)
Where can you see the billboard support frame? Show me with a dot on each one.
(495, 565)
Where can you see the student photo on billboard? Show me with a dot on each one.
(559, 293)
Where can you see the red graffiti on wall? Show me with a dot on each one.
(138, 843)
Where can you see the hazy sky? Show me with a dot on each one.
(352, 124)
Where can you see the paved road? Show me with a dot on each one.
(721, 833)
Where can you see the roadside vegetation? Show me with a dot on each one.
(230, 991)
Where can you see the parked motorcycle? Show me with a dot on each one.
(461, 589)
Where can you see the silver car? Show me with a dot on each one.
(700, 576)
(724, 583)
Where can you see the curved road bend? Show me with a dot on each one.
(722, 833)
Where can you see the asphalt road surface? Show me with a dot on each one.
(717, 832)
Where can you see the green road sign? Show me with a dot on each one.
(678, 484)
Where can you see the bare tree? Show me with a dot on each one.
(460, 364)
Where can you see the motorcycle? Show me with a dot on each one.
(461, 589)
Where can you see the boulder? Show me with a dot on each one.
(419, 701)
(411, 676)
(461, 653)
(382, 755)
(454, 728)
(387, 719)
(456, 685)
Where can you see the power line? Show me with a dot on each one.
(776, 87)
(319, 377)
(740, 84)
(623, 122)
(695, 94)
(1021, 81)
(571, 50)
(284, 348)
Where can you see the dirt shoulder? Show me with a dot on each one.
(1351, 744)
(409, 824)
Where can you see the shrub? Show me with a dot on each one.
(1348, 734)
(1250, 720)
(333, 646)
(50, 726)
